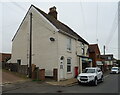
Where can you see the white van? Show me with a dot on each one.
(115, 70)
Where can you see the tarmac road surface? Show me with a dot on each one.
(110, 85)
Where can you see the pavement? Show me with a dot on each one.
(0, 81)
(67, 82)
(0, 77)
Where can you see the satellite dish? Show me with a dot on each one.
(52, 39)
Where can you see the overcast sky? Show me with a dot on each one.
(91, 20)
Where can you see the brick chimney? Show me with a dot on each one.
(53, 12)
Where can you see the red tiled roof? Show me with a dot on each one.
(93, 47)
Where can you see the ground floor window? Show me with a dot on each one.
(19, 61)
(85, 64)
(68, 64)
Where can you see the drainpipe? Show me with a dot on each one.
(30, 51)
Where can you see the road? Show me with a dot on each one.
(110, 85)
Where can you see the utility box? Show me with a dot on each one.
(42, 74)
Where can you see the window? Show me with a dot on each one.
(19, 62)
(89, 71)
(87, 53)
(83, 50)
(109, 58)
(69, 44)
(69, 65)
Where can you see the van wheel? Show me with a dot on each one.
(95, 82)
(102, 79)
(79, 83)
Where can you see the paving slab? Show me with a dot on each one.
(63, 82)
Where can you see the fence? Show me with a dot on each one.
(15, 67)
(23, 69)
(37, 74)
(10, 66)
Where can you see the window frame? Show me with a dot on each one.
(69, 44)
(83, 49)
(69, 64)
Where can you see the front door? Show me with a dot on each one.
(61, 70)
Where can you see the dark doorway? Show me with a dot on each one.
(19, 61)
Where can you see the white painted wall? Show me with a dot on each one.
(62, 51)
(44, 50)
(19, 44)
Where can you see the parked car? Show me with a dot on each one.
(115, 70)
(91, 75)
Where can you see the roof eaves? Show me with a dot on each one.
(63, 32)
(21, 23)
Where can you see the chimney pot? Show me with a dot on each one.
(53, 12)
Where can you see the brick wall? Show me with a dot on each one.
(4, 56)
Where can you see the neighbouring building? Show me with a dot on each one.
(54, 45)
(115, 62)
(108, 60)
(94, 54)
(4, 57)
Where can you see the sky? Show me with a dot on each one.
(96, 22)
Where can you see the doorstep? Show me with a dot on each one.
(67, 82)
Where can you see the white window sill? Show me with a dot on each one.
(69, 72)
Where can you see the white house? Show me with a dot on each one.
(54, 44)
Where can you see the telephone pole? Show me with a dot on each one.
(30, 51)
(119, 30)
(104, 49)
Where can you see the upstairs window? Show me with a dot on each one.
(109, 58)
(83, 50)
(87, 53)
(69, 44)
